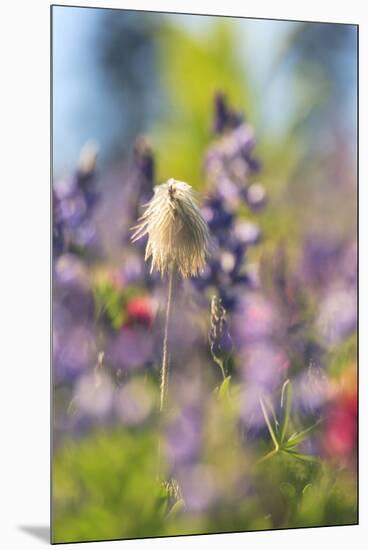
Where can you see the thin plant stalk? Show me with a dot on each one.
(165, 351)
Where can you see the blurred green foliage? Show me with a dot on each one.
(105, 487)
(343, 355)
(193, 66)
(303, 494)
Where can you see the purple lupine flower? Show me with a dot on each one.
(72, 288)
(184, 437)
(224, 117)
(133, 403)
(131, 349)
(228, 163)
(94, 393)
(310, 390)
(220, 340)
(256, 197)
(74, 348)
(337, 315)
(198, 485)
(141, 176)
(320, 258)
(74, 201)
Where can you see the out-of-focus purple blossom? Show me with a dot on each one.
(219, 336)
(310, 390)
(94, 394)
(320, 260)
(228, 192)
(72, 288)
(349, 264)
(247, 233)
(133, 269)
(255, 320)
(198, 486)
(74, 200)
(141, 177)
(256, 197)
(250, 411)
(224, 117)
(263, 365)
(58, 237)
(85, 234)
(311, 446)
(74, 350)
(144, 165)
(133, 403)
(184, 437)
(132, 348)
(337, 315)
(228, 164)
(228, 161)
(219, 218)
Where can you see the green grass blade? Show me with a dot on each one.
(286, 400)
(267, 420)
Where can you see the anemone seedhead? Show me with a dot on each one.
(178, 236)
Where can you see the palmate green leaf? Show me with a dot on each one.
(301, 456)
(289, 446)
(298, 437)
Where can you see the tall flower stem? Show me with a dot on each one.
(165, 352)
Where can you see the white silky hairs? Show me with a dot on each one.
(178, 236)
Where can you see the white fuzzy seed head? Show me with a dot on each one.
(178, 236)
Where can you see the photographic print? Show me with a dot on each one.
(204, 274)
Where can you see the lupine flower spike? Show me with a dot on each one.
(219, 337)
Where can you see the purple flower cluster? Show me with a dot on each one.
(220, 341)
(74, 199)
(228, 165)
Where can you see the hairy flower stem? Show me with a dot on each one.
(165, 352)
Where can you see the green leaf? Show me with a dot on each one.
(224, 388)
(307, 488)
(288, 490)
(286, 399)
(178, 507)
(271, 409)
(300, 456)
(267, 420)
(298, 437)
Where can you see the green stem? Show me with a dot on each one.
(268, 455)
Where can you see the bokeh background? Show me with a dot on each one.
(260, 118)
